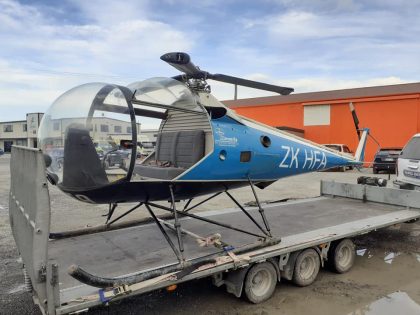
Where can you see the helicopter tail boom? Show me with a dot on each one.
(360, 151)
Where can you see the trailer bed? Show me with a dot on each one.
(342, 211)
(126, 251)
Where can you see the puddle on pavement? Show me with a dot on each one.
(388, 256)
(394, 303)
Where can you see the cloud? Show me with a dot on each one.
(41, 56)
(309, 44)
(106, 45)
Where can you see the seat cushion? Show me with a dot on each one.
(189, 148)
(175, 152)
(165, 147)
(82, 167)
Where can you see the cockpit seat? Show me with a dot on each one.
(175, 152)
(82, 167)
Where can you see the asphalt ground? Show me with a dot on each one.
(384, 280)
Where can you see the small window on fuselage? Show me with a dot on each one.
(245, 156)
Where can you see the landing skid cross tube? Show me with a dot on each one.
(177, 224)
(179, 231)
(260, 209)
(168, 239)
(206, 220)
(124, 214)
(247, 214)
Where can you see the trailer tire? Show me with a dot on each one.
(260, 282)
(342, 255)
(306, 267)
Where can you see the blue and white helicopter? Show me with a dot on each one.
(202, 146)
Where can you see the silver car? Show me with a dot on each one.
(408, 165)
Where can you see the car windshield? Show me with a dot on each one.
(389, 152)
(105, 146)
(412, 149)
(334, 147)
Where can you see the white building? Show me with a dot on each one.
(25, 132)
(22, 132)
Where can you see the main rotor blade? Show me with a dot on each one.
(249, 83)
(355, 118)
(182, 62)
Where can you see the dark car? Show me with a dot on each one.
(115, 157)
(1, 152)
(386, 160)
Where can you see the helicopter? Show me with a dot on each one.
(202, 147)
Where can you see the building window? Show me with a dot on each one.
(117, 129)
(22, 142)
(128, 129)
(104, 128)
(8, 128)
(56, 126)
(25, 127)
(316, 115)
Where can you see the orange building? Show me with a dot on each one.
(391, 112)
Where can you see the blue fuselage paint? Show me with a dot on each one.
(286, 156)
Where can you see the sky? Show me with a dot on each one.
(48, 47)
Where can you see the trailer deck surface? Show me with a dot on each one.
(125, 251)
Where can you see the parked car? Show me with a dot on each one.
(146, 147)
(408, 165)
(340, 148)
(1, 152)
(111, 154)
(115, 157)
(386, 160)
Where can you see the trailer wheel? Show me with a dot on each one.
(306, 267)
(260, 282)
(342, 255)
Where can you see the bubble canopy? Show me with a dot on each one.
(165, 93)
(89, 134)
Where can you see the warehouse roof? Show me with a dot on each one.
(384, 90)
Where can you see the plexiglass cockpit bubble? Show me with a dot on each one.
(166, 92)
(87, 136)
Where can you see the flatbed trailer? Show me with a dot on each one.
(138, 260)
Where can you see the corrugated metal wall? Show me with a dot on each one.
(178, 121)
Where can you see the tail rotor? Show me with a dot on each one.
(355, 119)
